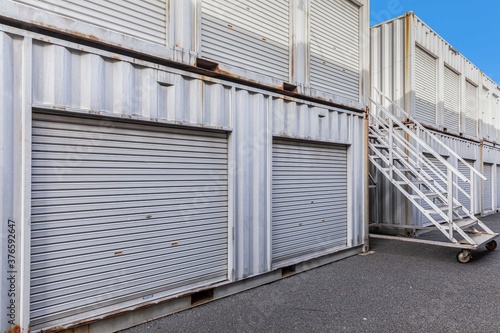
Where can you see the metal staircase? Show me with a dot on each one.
(398, 152)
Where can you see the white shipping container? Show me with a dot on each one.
(314, 48)
(431, 80)
(129, 183)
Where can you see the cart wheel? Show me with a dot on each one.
(490, 246)
(464, 256)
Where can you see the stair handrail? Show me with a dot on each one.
(426, 131)
(420, 141)
(441, 175)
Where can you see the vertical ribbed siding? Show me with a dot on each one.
(451, 100)
(425, 87)
(121, 214)
(471, 109)
(487, 187)
(309, 199)
(251, 35)
(334, 50)
(144, 19)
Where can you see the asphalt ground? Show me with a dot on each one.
(400, 287)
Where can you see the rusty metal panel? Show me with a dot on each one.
(144, 19)
(72, 79)
(308, 122)
(123, 213)
(250, 35)
(335, 47)
(309, 199)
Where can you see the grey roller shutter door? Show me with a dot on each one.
(470, 109)
(334, 50)
(122, 213)
(425, 87)
(144, 19)
(442, 167)
(251, 35)
(487, 187)
(309, 199)
(464, 169)
(451, 100)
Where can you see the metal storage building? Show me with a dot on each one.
(149, 163)
(448, 95)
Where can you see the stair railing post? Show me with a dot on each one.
(450, 201)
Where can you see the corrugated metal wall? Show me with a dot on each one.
(145, 19)
(65, 78)
(268, 43)
(402, 50)
(409, 59)
(334, 47)
(247, 35)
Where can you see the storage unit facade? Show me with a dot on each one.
(145, 159)
(441, 89)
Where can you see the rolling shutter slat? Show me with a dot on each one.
(141, 19)
(249, 35)
(121, 213)
(425, 87)
(308, 217)
(451, 100)
(335, 63)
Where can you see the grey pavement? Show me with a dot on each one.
(401, 287)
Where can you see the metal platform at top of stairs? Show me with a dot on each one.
(398, 151)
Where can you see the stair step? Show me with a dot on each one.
(414, 182)
(463, 224)
(428, 195)
(480, 238)
(443, 208)
(372, 186)
(405, 158)
(403, 170)
(379, 146)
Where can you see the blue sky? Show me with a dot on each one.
(472, 27)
